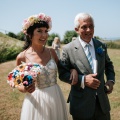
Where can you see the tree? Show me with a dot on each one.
(20, 36)
(97, 37)
(51, 38)
(68, 36)
(11, 34)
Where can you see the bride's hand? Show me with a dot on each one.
(30, 88)
(24, 89)
(73, 77)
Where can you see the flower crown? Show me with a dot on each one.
(36, 19)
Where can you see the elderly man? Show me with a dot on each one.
(88, 95)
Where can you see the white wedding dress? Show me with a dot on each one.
(47, 101)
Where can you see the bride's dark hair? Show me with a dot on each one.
(30, 31)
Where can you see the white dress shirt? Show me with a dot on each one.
(92, 50)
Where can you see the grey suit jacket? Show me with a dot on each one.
(82, 101)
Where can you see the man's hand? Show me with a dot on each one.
(109, 85)
(91, 81)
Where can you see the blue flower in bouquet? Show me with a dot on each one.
(27, 80)
(100, 50)
(23, 74)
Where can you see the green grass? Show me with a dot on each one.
(115, 96)
(11, 101)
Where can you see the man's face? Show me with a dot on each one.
(86, 29)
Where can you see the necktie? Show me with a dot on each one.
(88, 54)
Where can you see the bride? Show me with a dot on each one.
(44, 99)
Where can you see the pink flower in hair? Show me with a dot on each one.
(35, 19)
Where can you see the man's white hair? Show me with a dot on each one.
(81, 16)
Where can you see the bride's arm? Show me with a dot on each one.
(54, 55)
(73, 75)
(20, 58)
(31, 88)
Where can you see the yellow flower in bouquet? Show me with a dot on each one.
(23, 74)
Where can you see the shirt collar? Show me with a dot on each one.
(83, 43)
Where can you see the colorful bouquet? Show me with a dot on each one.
(24, 74)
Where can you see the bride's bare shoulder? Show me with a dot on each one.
(54, 55)
(20, 57)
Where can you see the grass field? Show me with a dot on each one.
(11, 101)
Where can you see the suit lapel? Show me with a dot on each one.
(98, 57)
(80, 54)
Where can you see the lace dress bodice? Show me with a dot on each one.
(48, 75)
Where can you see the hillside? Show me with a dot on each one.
(6, 40)
(11, 101)
(9, 47)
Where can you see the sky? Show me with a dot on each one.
(106, 14)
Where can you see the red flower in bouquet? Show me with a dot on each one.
(23, 74)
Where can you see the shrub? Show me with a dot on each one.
(113, 45)
(8, 53)
(9, 48)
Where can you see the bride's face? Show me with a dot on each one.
(40, 35)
